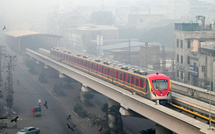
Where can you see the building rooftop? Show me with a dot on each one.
(135, 45)
(27, 33)
(209, 47)
(97, 27)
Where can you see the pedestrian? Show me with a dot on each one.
(39, 102)
(88, 122)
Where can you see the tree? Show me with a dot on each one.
(80, 110)
(31, 66)
(88, 97)
(118, 126)
(148, 131)
(42, 78)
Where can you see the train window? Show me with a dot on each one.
(160, 84)
(128, 79)
(105, 70)
(137, 82)
(120, 76)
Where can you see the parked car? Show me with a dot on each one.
(29, 130)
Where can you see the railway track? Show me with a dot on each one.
(192, 107)
(187, 99)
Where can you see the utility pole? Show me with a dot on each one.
(211, 88)
(9, 84)
(1, 53)
(129, 51)
(163, 59)
(99, 44)
(2, 112)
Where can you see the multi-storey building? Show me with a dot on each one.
(194, 54)
(86, 37)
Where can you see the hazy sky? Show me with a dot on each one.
(19, 13)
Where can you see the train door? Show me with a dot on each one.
(107, 73)
(137, 82)
(120, 77)
(63, 56)
(142, 84)
(94, 67)
(128, 79)
(123, 78)
(70, 59)
(116, 75)
(99, 69)
(110, 72)
(78, 61)
(91, 66)
(147, 88)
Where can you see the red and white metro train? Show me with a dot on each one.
(143, 82)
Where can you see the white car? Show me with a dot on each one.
(29, 130)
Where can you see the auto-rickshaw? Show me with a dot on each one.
(36, 111)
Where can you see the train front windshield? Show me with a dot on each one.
(160, 84)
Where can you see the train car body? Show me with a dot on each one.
(140, 81)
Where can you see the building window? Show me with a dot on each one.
(177, 58)
(190, 28)
(177, 42)
(188, 59)
(188, 44)
(181, 43)
(203, 68)
(181, 59)
(177, 74)
(182, 75)
(188, 76)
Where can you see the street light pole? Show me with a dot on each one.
(211, 88)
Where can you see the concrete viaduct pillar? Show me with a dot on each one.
(37, 62)
(46, 67)
(84, 90)
(62, 75)
(162, 130)
(111, 118)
